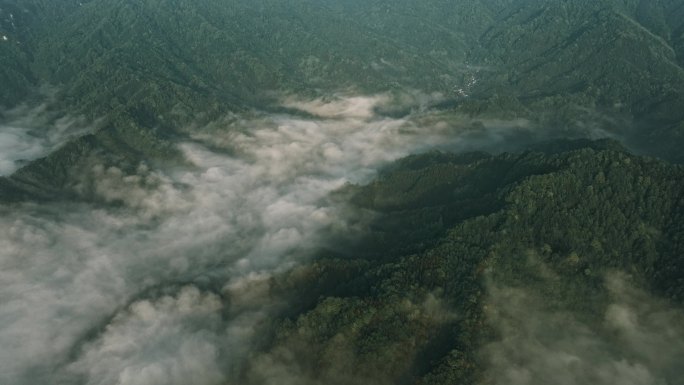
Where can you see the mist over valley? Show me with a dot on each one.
(341, 192)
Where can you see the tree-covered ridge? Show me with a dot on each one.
(149, 68)
(113, 53)
(153, 56)
(556, 224)
(586, 64)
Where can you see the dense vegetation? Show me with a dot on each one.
(453, 226)
(150, 67)
(409, 299)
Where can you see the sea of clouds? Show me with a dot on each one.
(143, 289)
(166, 279)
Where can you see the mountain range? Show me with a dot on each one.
(341, 192)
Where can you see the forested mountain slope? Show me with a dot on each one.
(341, 192)
(549, 234)
(149, 66)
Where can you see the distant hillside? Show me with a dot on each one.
(583, 68)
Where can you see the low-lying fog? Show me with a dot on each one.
(80, 283)
(151, 289)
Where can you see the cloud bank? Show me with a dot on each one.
(145, 287)
(164, 279)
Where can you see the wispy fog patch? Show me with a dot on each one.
(28, 133)
(353, 107)
(368, 107)
(170, 340)
(151, 193)
(639, 341)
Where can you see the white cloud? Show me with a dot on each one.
(72, 276)
(360, 107)
(173, 340)
(30, 133)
